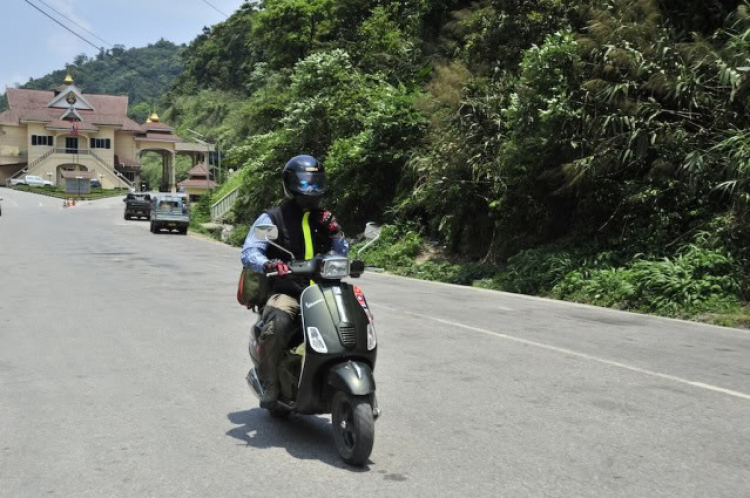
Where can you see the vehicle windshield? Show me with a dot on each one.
(170, 205)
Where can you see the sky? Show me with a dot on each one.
(31, 45)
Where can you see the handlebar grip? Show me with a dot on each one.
(272, 274)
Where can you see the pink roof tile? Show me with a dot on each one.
(198, 170)
(60, 124)
(156, 127)
(196, 182)
(161, 137)
(109, 110)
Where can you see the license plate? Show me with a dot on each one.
(173, 224)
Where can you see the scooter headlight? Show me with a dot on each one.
(316, 340)
(335, 269)
(372, 338)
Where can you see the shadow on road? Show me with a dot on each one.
(303, 437)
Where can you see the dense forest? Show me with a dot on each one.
(594, 151)
(590, 151)
(144, 74)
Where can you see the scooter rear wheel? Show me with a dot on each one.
(353, 427)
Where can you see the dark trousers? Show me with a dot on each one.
(279, 319)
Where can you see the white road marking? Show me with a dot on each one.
(569, 304)
(577, 354)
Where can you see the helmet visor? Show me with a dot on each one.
(310, 183)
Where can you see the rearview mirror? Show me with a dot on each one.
(372, 231)
(266, 232)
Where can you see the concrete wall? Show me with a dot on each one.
(18, 138)
(35, 151)
(107, 154)
(125, 146)
(13, 146)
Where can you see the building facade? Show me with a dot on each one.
(44, 133)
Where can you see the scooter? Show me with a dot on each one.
(328, 367)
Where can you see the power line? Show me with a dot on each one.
(92, 44)
(215, 8)
(71, 20)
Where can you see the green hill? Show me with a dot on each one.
(157, 66)
(591, 151)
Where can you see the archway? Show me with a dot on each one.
(166, 177)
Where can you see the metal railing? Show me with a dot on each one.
(81, 152)
(224, 205)
(111, 169)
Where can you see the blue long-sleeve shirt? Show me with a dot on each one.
(254, 250)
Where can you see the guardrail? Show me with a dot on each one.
(225, 204)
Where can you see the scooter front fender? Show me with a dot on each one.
(352, 377)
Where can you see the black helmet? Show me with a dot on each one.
(304, 176)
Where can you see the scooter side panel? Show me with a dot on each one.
(317, 313)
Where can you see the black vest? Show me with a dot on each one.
(288, 218)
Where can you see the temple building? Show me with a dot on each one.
(44, 133)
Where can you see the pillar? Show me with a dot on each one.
(172, 177)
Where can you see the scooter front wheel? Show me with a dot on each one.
(353, 427)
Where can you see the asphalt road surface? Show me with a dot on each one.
(123, 356)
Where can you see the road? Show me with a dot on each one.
(123, 356)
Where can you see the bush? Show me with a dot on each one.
(239, 235)
(395, 250)
(700, 279)
(536, 271)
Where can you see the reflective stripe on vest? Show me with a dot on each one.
(309, 250)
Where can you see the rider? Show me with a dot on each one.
(304, 229)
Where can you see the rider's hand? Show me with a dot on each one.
(277, 266)
(329, 221)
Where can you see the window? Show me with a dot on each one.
(101, 143)
(41, 140)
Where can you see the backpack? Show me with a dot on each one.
(253, 289)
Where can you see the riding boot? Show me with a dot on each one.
(268, 366)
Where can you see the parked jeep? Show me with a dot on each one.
(137, 205)
(169, 212)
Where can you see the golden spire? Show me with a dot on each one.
(68, 78)
(154, 118)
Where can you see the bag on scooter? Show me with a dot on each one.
(253, 289)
